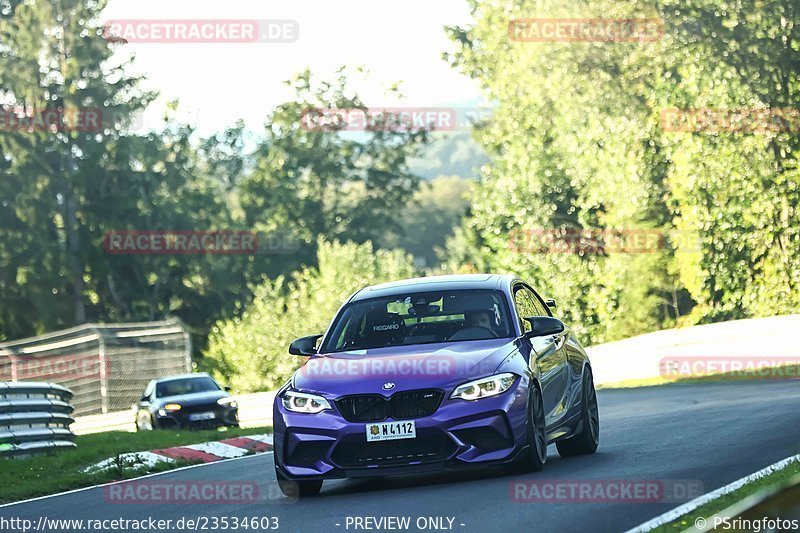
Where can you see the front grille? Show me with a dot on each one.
(415, 403)
(430, 445)
(363, 408)
(202, 408)
(400, 406)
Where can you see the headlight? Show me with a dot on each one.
(300, 402)
(230, 402)
(169, 408)
(485, 387)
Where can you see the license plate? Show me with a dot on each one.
(202, 416)
(391, 431)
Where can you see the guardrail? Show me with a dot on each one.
(34, 417)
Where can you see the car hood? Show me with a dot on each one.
(419, 366)
(196, 398)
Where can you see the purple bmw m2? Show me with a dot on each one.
(434, 373)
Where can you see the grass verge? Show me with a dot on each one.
(723, 502)
(60, 471)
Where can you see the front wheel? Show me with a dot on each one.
(536, 454)
(297, 489)
(586, 441)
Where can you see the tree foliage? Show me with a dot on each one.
(250, 351)
(577, 142)
(63, 190)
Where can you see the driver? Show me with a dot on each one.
(481, 318)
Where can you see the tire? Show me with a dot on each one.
(535, 456)
(297, 489)
(586, 441)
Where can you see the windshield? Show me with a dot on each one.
(177, 387)
(420, 318)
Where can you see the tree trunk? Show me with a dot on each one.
(73, 256)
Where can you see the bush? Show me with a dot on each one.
(250, 352)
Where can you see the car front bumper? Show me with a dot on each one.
(223, 416)
(460, 433)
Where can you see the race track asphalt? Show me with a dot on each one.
(678, 435)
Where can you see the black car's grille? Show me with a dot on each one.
(400, 406)
(202, 408)
(430, 445)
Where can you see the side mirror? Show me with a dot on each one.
(304, 345)
(549, 302)
(227, 389)
(543, 325)
(144, 399)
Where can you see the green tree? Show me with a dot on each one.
(739, 190)
(577, 142)
(64, 188)
(430, 217)
(311, 181)
(53, 58)
(572, 148)
(251, 351)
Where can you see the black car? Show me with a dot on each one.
(187, 401)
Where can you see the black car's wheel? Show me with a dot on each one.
(588, 438)
(536, 454)
(295, 489)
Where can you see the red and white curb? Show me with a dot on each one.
(206, 452)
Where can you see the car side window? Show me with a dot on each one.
(525, 307)
(541, 308)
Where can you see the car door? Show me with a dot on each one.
(561, 342)
(549, 354)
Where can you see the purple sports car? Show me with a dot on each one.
(434, 373)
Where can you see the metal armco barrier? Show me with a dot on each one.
(34, 417)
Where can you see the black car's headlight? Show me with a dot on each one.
(228, 402)
(169, 408)
(485, 387)
(300, 402)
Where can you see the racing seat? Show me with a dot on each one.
(383, 329)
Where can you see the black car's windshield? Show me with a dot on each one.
(420, 318)
(178, 387)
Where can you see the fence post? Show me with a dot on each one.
(101, 354)
(188, 338)
(188, 352)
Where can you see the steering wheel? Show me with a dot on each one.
(472, 333)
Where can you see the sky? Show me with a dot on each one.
(217, 83)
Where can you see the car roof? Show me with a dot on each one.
(435, 283)
(182, 376)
